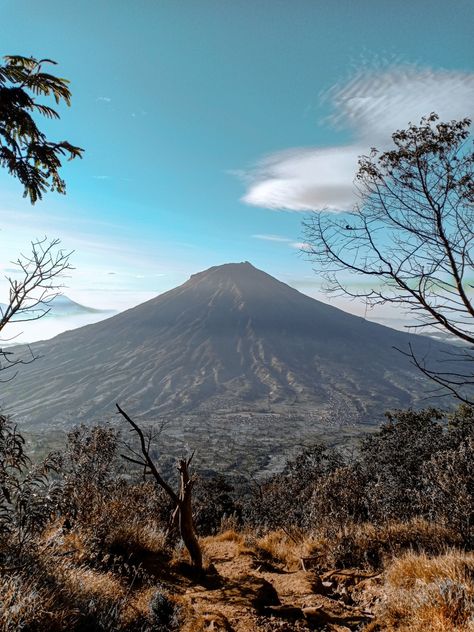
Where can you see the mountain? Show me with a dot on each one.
(232, 340)
(61, 306)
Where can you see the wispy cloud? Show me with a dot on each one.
(298, 245)
(277, 238)
(104, 99)
(373, 104)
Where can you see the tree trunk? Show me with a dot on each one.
(182, 501)
(185, 516)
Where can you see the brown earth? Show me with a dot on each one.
(247, 594)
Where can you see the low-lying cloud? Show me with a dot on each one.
(372, 105)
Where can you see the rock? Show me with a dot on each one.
(324, 615)
(217, 622)
(285, 611)
(264, 594)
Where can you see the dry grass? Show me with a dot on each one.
(284, 548)
(66, 588)
(420, 591)
(24, 605)
(230, 535)
(429, 594)
(59, 596)
(370, 546)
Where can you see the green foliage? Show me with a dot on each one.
(24, 149)
(90, 469)
(214, 501)
(391, 462)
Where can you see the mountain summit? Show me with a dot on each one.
(230, 338)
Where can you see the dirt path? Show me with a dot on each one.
(249, 594)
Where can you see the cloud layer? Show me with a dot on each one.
(372, 105)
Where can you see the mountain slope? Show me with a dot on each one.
(230, 338)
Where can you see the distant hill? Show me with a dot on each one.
(230, 339)
(63, 306)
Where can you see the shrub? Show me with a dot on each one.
(27, 495)
(369, 546)
(214, 502)
(447, 494)
(391, 461)
(284, 499)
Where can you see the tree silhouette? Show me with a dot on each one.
(24, 149)
(182, 499)
(412, 237)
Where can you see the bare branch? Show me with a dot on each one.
(412, 235)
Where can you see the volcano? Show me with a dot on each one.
(232, 338)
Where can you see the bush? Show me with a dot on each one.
(27, 494)
(370, 546)
(418, 465)
(447, 494)
(391, 461)
(214, 501)
(284, 499)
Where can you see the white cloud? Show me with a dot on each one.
(301, 245)
(305, 179)
(298, 245)
(376, 104)
(372, 105)
(104, 99)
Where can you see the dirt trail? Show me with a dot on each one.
(250, 594)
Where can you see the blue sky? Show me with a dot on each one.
(211, 127)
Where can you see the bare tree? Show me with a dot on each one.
(412, 238)
(31, 292)
(182, 499)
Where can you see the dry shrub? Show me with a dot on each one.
(368, 545)
(123, 530)
(284, 548)
(58, 595)
(429, 594)
(229, 535)
(24, 605)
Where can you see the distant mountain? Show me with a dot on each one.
(231, 339)
(61, 306)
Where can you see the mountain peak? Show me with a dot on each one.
(227, 268)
